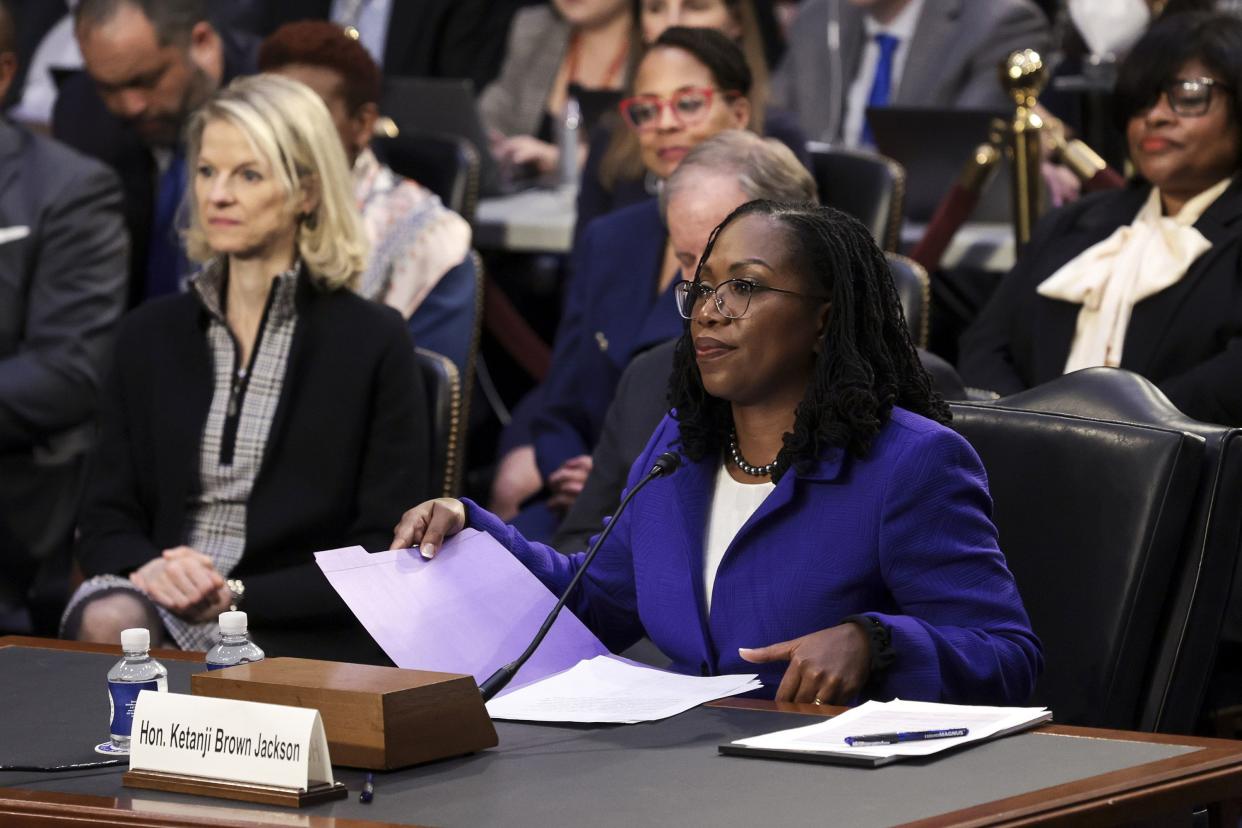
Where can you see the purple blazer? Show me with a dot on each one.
(904, 535)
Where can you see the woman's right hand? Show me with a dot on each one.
(428, 524)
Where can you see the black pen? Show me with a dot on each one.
(368, 789)
(907, 736)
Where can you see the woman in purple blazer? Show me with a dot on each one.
(826, 529)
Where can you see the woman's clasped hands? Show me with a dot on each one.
(185, 582)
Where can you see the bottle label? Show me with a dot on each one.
(123, 695)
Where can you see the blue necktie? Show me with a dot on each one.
(882, 86)
(166, 262)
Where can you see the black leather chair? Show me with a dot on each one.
(1199, 597)
(1091, 515)
(868, 186)
(914, 289)
(447, 165)
(447, 418)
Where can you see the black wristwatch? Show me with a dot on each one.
(881, 638)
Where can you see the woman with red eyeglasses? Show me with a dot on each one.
(690, 85)
(1148, 278)
(616, 173)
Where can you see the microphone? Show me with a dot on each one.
(664, 465)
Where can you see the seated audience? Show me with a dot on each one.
(149, 64)
(415, 240)
(1148, 278)
(553, 48)
(691, 85)
(934, 53)
(63, 277)
(615, 175)
(825, 530)
(263, 415)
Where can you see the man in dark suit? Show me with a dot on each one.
(846, 55)
(149, 64)
(62, 289)
(424, 38)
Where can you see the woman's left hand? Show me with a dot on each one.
(826, 667)
(526, 149)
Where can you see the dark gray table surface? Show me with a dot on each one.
(668, 772)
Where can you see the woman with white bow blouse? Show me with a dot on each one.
(1148, 278)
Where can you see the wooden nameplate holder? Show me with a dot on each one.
(242, 791)
(379, 718)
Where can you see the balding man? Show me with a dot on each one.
(149, 64)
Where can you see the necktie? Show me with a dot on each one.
(165, 260)
(881, 87)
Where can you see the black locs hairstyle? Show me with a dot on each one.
(866, 364)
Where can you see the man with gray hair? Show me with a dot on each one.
(149, 64)
(62, 290)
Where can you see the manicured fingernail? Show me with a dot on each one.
(427, 551)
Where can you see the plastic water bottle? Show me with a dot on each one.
(135, 672)
(234, 647)
(567, 142)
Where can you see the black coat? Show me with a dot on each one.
(348, 451)
(1187, 338)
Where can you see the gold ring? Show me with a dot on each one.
(818, 700)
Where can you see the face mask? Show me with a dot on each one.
(1110, 27)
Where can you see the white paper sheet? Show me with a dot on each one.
(607, 689)
(900, 716)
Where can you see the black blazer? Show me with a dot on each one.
(1187, 339)
(348, 449)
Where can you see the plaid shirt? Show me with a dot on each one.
(235, 434)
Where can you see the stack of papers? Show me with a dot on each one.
(608, 689)
(474, 608)
(826, 741)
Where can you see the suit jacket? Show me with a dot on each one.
(639, 404)
(81, 120)
(426, 38)
(611, 312)
(1187, 339)
(514, 103)
(903, 535)
(347, 451)
(953, 59)
(63, 264)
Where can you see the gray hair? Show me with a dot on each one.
(172, 19)
(764, 167)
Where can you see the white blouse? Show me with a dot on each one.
(732, 505)
(1138, 260)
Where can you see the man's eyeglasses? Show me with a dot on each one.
(1190, 97)
(732, 297)
(689, 106)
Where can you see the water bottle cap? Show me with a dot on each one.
(233, 623)
(135, 639)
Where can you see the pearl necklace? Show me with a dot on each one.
(740, 462)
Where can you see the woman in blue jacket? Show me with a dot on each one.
(826, 529)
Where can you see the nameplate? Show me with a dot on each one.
(229, 740)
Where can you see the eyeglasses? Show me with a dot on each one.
(732, 297)
(689, 106)
(1190, 97)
